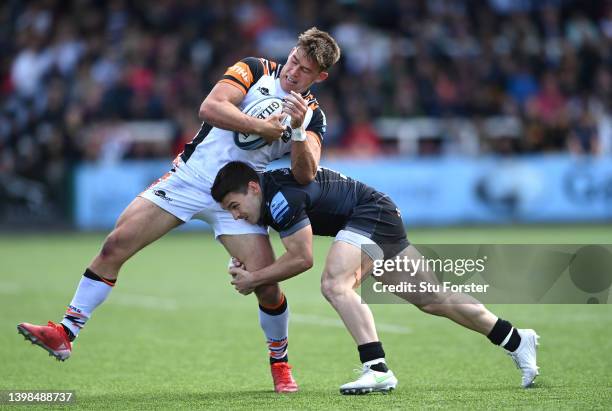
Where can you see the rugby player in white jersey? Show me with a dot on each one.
(183, 193)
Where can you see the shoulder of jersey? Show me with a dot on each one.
(248, 71)
(312, 102)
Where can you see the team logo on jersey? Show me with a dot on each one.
(263, 91)
(278, 207)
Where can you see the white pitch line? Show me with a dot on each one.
(144, 301)
(337, 323)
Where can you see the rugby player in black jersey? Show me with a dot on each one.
(367, 227)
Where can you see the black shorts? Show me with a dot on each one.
(379, 219)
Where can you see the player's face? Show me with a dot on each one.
(244, 206)
(300, 72)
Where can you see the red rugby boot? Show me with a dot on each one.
(52, 337)
(283, 380)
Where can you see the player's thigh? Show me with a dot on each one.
(412, 270)
(254, 250)
(343, 265)
(141, 223)
(247, 242)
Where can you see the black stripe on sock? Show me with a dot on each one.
(514, 342)
(275, 360)
(93, 276)
(370, 351)
(500, 331)
(69, 333)
(275, 311)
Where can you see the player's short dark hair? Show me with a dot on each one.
(234, 177)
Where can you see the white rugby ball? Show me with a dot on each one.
(262, 108)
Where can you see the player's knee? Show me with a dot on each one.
(433, 303)
(332, 289)
(256, 262)
(433, 309)
(113, 248)
(268, 294)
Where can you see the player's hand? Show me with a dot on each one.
(272, 128)
(296, 107)
(242, 281)
(234, 262)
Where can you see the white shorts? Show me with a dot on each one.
(187, 197)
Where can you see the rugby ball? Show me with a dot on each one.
(262, 108)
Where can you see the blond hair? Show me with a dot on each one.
(320, 47)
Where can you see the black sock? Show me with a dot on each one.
(380, 367)
(500, 332)
(372, 351)
(69, 333)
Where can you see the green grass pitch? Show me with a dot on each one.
(174, 334)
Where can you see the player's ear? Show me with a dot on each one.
(254, 186)
(322, 76)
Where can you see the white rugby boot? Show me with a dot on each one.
(370, 381)
(525, 356)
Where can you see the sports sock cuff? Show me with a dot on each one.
(275, 310)
(69, 333)
(380, 367)
(93, 276)
(275, 360)
(370, 351)
(500, 331)
(513, 342)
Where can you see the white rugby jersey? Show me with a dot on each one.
(213, 147)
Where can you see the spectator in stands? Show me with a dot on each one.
(66, 67)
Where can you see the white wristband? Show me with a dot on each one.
(298, 134)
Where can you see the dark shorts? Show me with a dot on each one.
(379, 219)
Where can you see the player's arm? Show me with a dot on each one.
(296, 260)
(306, 144)
(305, 157)
(220, 107)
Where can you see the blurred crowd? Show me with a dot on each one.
(69, 66)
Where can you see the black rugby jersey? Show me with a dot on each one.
(327, 203)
